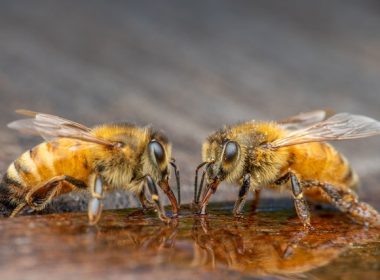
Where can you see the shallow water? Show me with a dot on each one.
(270, 244)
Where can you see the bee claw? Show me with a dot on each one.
(239, 216)
(309, 227)
(95, 208)
(166, 220)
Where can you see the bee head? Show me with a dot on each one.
(224, 157)
(158, 154)
(156, 163)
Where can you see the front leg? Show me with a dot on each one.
(95, 205)
(156, 199)
(239, 204)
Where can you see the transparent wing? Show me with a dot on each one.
(338, 127)
(50, 127)
(41, 117)
(304, 119)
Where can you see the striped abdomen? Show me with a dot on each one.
(323, 163)
(40, 164)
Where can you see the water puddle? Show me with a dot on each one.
(127, 244)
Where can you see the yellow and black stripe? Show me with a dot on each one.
(39, 165)
(11, 194)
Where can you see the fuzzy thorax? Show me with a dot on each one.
(126, 166)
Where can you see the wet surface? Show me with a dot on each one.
(270, 244)
(188, 68)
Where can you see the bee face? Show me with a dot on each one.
(227, 154)
(157, 165)
(223, 157)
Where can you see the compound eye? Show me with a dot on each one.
(231, 151)
(157, 150)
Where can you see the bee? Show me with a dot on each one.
(77, 158)
(289, 154)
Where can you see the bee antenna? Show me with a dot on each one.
(178, 181)
(196, 180)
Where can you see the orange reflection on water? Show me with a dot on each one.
(129, 243)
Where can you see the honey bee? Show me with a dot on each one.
(291, 154)
(77, 158)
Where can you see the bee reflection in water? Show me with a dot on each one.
(241, 246)
(265, 244)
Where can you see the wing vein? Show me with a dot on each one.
(50, 126)
(341, 126)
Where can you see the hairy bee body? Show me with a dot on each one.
(310, 161)
(77, 158)
(291, 154)
(78, 161)
(39, 165)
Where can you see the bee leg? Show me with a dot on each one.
(200, 187)
(347, 201)
(178, 181)
(300, 202)
(293, 243)
(95, 205)
(145, 203)
(239, 204)
(156, 199)
(18, 209)
(195, 202)
(283, 180)
(43, 193)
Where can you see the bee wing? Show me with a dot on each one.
(304, 119)
(338, 127)
(50, 126)
(51, 118)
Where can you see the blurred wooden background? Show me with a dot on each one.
(189, 67)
